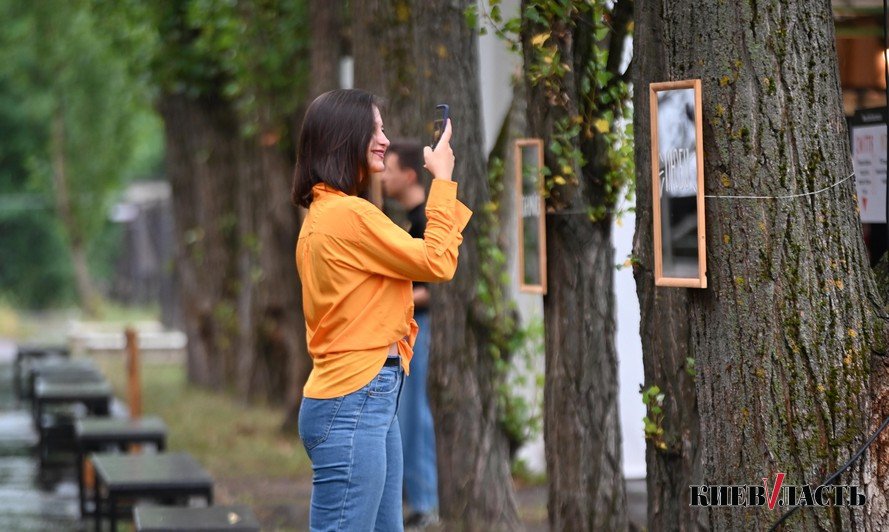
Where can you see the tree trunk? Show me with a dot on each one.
(416, 55)
(86, 291)
(783, 335)
(386, 61)
(664, 327)
(475, 484)
(326, 46)
(273, 358)
(581, 416)
(202, 138)
(877, 467)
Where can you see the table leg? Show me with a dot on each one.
(17, 375)
(41, 436)
(210, 496)
(113, 508)
(98, 509)
(80, 487)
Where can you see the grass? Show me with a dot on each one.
(227, 437)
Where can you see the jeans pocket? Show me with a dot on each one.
(386, 382)
(315, 419)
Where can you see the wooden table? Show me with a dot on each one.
(61, 370)
(156, 476)
(26, 354)
(164, 518)
(96, 396)
(95, 434)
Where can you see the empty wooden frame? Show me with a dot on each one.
(677, 184)
(531, 214)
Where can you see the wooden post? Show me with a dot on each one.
(134, 383)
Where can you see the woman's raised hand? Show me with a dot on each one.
(440, 161)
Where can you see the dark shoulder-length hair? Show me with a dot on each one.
(332, 147)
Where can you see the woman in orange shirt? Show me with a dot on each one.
(356, 268)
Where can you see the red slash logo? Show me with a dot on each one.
(776, 490)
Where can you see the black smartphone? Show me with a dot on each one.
(438, 125)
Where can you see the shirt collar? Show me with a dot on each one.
(323, 190)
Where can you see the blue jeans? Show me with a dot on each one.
(418, 433)
(354, 444)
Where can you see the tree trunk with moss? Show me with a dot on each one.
(672, 459)
(877, 468)
(783, 335)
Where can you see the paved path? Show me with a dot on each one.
(29, 500)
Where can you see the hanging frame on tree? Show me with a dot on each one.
(677, 173)
(530, 210)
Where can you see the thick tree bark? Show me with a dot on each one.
(783, 335)
(273, 356)
(202, 139)
(236, 232)
(475, 485)
(416, 55)
(86, 290)
(326, 46)
(581, 415)
(386, 51)
(877, 467)
(664, 324)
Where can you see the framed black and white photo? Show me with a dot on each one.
(531, 214)
(677, 172)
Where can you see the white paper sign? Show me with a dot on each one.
(869, 163)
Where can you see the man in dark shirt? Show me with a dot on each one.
(403, 181)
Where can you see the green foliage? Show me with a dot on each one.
(592, 96)
(56, 67)
(253, 54)
(690, 367)
(653, 399)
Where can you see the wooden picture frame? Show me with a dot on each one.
(530, 206)
(680, 250)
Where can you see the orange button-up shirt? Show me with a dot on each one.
(356, 268)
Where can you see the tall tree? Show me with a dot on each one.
(577, 97)
(75, 89)
(230, 76)
(673, 457)
(417, 55)
(783, 335)
(476, 491)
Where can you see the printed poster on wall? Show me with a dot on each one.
(868, 132)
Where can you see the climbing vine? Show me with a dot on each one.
(590, 142)
(513, 348)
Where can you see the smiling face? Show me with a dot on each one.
(376, 150)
